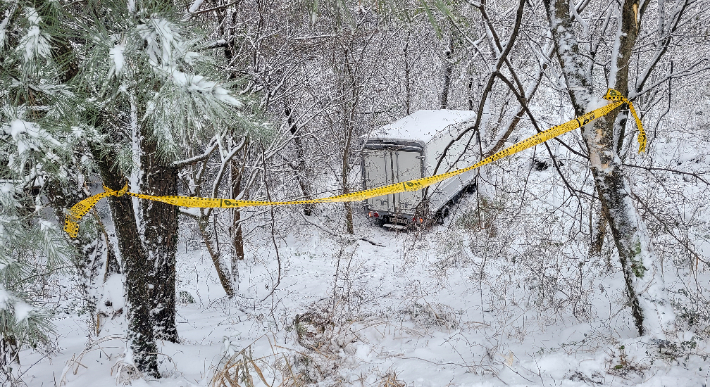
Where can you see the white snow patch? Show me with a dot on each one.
(364, 352)
(32, 16)
(3, 28)
(35, 43)
(198, 83)
(423, 125)
(116, 54)
(195, 6)
(26, 135)
(113, 292)
(4, 296)
(22, 310)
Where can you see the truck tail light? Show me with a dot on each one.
(373, 214)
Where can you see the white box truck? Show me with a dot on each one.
(410, 149)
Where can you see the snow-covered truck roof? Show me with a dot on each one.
(423, 125)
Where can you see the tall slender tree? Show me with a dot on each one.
(642, 270)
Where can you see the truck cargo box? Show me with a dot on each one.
(409, 149)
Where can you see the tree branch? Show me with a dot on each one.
(695, 175)
(196, 159)
(489, 86)
(667, 229)
(217, 8)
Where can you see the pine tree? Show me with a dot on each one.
(124, 91)
(33, 147)
(140, 65)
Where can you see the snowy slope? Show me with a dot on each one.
(413, 308)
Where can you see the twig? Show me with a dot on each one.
(347, 238)
(215, 8)
(695, 175)
(665, 227)
(273, 225)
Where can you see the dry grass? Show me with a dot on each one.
(75, 363)
(390, 380)
(241, 369)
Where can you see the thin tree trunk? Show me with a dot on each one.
(237, 233)
(448, 69)
(349, 227)
(235, 170)
(136, 268)
(208, 237)
(407, 75)
(112, 266)
(160, 236)
(301, 175)
(348, 86)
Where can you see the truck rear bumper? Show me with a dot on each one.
(399, 218)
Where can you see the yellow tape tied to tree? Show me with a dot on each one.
(82, 208)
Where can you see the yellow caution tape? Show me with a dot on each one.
(82, 208)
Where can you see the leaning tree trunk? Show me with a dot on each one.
(160, 236)
(642, 271)
(136, 268)
(209, 236)
(641, 268)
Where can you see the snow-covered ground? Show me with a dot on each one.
(390, 309)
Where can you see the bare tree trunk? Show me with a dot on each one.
(346, 169)
(642, 272)
(160, 236)
(236, 172)
(598, 235)
(135, 266)
(301, 173)
(407, 75)
(349, 226)
(213, 249)
(348, 86)
(112, 266)
(448, 69)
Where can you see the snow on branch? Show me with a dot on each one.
(196, 159)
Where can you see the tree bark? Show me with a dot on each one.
(598, 235)
(448, 70)
(642, 271)
(212, 248)
(135, 266)
(236, 172)
(407, 76)
(159, 229)
(348, 85)
(301, 173)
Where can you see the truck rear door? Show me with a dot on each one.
(378, 172)
(407, 166)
